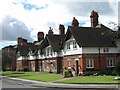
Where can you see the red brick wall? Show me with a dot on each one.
(96, 63)
(84, 63)
(33, 65)
(102, 63)
(14, 64)
(65, 63)
(72, 62)
(19, 64)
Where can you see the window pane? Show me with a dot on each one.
(89, 64)
(69, 63)
(74, 45)
(68, 45)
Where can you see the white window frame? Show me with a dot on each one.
(89, 63)
(69, 62)
(74, 45)
(111, 62)
(68, 45)
(49, 51)
(105, 50)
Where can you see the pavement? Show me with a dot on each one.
(60, 85)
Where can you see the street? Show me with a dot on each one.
(8, 84)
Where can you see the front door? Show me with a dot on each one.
(77, 67)
(36, 65)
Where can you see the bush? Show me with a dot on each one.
(20, 69)
(114, 73)
(65, 73)
(117, 69)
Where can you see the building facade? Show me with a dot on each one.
(86, 49)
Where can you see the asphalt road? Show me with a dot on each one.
(8, 84)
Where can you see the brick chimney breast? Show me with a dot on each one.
(75, 22)
(94, 18)
(19, 40)
(50, 32)
(61, 29)
(40, 36)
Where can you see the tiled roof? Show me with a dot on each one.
(24, 49)
(54, 40)
(91, 36)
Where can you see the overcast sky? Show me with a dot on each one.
(26, 18)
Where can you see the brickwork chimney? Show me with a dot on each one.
(75, 22)
(50, 32)
(24, 41)
(94, 18)
(61, 30)
(40, 36)
(19, 40)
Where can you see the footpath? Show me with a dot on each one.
(60, 85)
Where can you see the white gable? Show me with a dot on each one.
(69, 48)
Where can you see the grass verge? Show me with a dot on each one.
(45, 77)
(91, 80)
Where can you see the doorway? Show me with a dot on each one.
(77, 67)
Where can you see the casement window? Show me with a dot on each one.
(68, 45)
(111, 62)
(74, 45)
(89, 63)
(105, 50)
(49, 51)
(69, 63)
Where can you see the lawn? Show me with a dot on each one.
(91, 80)
(46, 77)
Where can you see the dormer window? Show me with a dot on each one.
(105, 50)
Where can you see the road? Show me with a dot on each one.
(8, 84)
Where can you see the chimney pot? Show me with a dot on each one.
(61, 29)
(40, 36)
(50, 32)
(75, 22)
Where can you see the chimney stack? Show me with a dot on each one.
(50, 32)
(75, 22)
(24, 41)
(19, 40)
(40, 36)
(61, 30)
(94, 18)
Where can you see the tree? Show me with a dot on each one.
(8, 55)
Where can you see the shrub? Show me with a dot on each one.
(114, 73)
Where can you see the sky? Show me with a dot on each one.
(25, 18)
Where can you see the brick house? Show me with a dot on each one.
(87, 49)
(90, 49)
